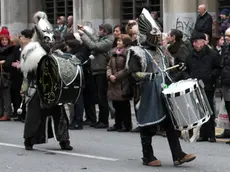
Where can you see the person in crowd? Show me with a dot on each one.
(129, 26)
(218, 43)
(100, 49)
(70, 24)
(204, 64)
(16, 84)
(117, 31)
(136, 86)
(225, 74)
(61, 26)
(204, 21)
(178, 51)
(119, 85)
(155, 16)
(8, 53)
(224, 21)
(73, 46)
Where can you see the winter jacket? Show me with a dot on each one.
(204, 65)
(204, 24)
(100, 49)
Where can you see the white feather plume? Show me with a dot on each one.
(38, 15)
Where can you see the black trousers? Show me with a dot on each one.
(122, 114)
(16, 99)
(89, 100)
(101, 85)
(148, 132)
(208, 129)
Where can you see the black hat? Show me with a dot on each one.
(198, 35)
(27, 33)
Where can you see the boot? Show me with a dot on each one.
(65, 145)
(5, 118)
(187, 158)
(148, 158)
(28, 144)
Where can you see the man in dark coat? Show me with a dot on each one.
(204, 64)
(178, 50)
(204, 21)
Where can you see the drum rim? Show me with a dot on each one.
(185, 91)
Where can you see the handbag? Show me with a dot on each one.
(223, 117)
(4, 78)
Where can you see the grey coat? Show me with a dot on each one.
(100, 49)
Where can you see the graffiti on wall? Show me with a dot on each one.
(186, 25)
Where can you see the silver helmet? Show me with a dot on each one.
(43, 27)
(149, 29)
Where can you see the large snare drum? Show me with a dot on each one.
(187, 104)
(59, 79)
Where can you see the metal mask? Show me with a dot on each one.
(46, 31)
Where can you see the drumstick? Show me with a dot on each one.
(173, 67)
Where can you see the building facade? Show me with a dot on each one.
(180, 14)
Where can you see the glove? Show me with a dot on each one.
(144, 76)
(182, 67)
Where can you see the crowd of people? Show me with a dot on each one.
(107, 81)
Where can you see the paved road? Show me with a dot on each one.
(101, 151)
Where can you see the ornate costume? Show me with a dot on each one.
(145, 63)
(41, 123)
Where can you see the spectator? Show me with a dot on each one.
(218, 43)
(178, 50)
(100, 49)
(16, 78)
(155, 16)
(204, 64)
(7, 54)
(61, 27)
(70, 24)
(225, 21)
(204, 21)
(225, 75)
(119, 85)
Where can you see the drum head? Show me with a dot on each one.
(180, 86)
(49, 81)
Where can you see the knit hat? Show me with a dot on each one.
(198, 35)
(225, 12)
(4, 32)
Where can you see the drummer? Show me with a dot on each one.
(151, 110)
(204, 64)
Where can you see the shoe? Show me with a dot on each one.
(136, 130)
(76, 127)
(201, 139)
(212, 140)
(101, 125)
(94, 124)
(113, 128)
(154, 163)
(5, 118)
(16, 119)
(124, 130)
(65, 145)
(187, 158)
(87, 122)
(28, 144)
